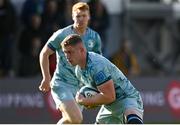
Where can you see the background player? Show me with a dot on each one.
(118, 97)
(64, 84)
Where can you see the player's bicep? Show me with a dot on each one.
(103, 80)
(47, 50)
(107, 88)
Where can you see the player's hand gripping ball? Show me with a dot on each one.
(88, 92)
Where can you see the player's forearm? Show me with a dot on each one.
(44, 64)
(98, 99)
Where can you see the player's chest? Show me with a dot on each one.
(86, 78)
(89, 43)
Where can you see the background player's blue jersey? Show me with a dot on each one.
(64, 71)
(99, 70)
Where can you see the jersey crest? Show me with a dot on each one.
(91, 43)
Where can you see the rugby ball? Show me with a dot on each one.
(88, 92)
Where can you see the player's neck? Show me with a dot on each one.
(80, 30)
(83, 61)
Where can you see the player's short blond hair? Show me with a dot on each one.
(80, 6)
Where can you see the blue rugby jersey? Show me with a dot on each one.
(64, 71)
(99, 70)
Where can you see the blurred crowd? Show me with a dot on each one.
(26, 25)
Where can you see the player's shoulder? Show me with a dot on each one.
(66, 29)
(61, 33)
(95, 56)
(94, 59)
(97, 60)
(92, 32)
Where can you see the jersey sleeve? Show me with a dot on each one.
(101, 74)
(98, 46)
(55, 40)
